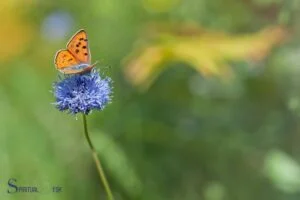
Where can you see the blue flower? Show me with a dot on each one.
(82, 93)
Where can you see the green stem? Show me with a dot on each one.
(97, 161)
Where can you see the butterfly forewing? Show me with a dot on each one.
(78, 46)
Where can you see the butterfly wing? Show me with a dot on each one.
(64, 60)
(79, 47)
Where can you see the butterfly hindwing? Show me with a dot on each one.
(78, 46)
(64, 59)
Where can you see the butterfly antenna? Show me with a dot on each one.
(106, 70)
(95, 63)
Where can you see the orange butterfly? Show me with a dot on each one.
(77, 57)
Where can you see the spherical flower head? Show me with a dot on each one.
(82, 93)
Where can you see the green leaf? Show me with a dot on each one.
(116, 161)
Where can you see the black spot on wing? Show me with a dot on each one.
(78, 44)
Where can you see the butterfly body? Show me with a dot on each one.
(76, 58)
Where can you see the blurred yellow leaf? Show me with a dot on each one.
(206, 51)
(16, 32)
(159, 6)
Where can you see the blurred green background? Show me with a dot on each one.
(206, 100)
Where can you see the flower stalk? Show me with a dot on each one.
(97, 160)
